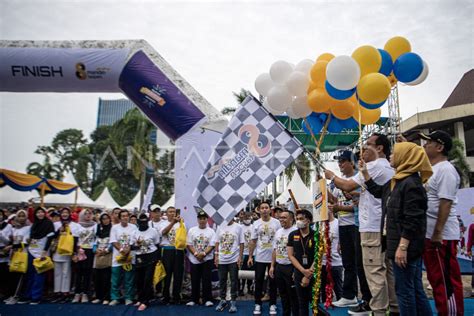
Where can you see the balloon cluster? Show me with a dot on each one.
(343, 89)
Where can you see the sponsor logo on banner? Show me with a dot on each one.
(258, 145)
(82, 73)
(153, 96)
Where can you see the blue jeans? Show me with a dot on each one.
(411, 297)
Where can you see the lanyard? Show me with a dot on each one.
(303, 245)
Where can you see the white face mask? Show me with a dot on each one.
(247, 221)
(300, 224)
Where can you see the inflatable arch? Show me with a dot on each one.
(132, 67)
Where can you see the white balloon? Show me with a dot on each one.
(343, 72)
(298, 83)
(299, 107)
(304, 66)
(273, 111)
(263, 84)
(279, 98)
(290, 113)
(280, 71)
(422, 76)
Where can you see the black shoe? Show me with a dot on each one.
(361, 309)
(394, 314)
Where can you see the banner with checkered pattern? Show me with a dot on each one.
(254, 149)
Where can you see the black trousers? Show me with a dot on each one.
(304, 295)
(84, 273)
(347, 240)
(102, 283)
(201, 273)
(144, 279)
(364, 287)
(173, 261)
(260, 269)
(286, 287)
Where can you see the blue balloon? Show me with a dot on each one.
(335, 125)
(338, 94)
(371, 106)
(314, 122)
(408, 67)
(387, 63)
(350, 123)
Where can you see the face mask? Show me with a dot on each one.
(300, 224)
(247, 221)
(142, 225)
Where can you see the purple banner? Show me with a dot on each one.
(158, 98)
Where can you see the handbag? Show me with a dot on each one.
(180, 239)
(19, 261)
(159, 273)
(43, 264)
(102, 262)
(66, 243)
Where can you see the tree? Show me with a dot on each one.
(304, 166)
(241, 95)
(458, 159)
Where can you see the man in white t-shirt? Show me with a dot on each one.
(200, 243)
(263, 234)
(442, 227)
(247, 228)
(122, 238)
(228, 258)
(378, 269)
(281, 268)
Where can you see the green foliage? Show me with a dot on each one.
(304, 167)
(458, 159)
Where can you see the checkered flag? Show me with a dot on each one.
(254, 150)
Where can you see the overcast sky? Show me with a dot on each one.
(222, 46)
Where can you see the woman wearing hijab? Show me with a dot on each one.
(404, 205)
(20, 236)
(41, 236)
(103, 260)
(5, 246)
(62, 263)
(146, 244)
(85, 256)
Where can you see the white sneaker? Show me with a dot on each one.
(76, 299)
(85, 298)
(190, 303)
(11, 301)
(96, 301)
(114, 302)
(209, 304)
(128, 302)
(273, 310)
(257, 310)
(105, 302)
(344, 302)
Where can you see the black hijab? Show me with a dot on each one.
(142, 222)
(103, 231)
(41, 227)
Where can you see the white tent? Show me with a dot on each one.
(106, 199)
(170, 202)
(301, 192)
(68, 199)
(11, 196)
(134, 203)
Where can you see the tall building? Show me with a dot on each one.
(110, 111)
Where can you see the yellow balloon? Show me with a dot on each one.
(373, 88)
(368, 58)
(319, 100)
(311, 87)
(325, 57)
(397, 46)
(343, 109)
(367, 116)
(318, 73)
(393, 80)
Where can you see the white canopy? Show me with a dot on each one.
(170, 202)
(106, 199)
(10, 195)
(68, 199)
(134, 203)
(301, 192)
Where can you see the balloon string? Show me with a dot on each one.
(360, 127)
(323, 132)
(316, 143)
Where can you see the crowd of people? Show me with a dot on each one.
(389, 212)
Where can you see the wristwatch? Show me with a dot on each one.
(403, 247)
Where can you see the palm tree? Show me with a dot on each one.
(240, 97)
(458, 159)
(45, 170)
(304, 167)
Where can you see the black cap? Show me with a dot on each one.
(345, 155)
(440, 137)
(202, 213)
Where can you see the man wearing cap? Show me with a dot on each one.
(343, 206)
(442, 227)
(378, 269)
(200, 244)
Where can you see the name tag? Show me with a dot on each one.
(305, 260)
